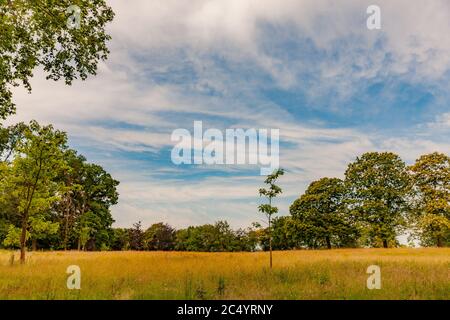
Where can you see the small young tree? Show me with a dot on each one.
(271, 192)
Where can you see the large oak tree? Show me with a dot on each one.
(378, 187)
(321, 213)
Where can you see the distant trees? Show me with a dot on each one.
(160, 236)
(136, 237)
(218, 237)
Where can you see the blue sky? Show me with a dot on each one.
(309, 68)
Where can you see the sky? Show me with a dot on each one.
(311, 69)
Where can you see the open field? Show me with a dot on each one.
(335, 274)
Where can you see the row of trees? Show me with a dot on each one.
(379, 199)
(218, 237)
(49, 195)
(51, 198)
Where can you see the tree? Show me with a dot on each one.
(271, 192)
(29, 181)
(159, 236)
(285, 234)
(84, 209)
(70, 207)
(39, 34)
(431, 179)
(321, 211)
(136, 236)
(121, 239)
(379, 187)
(217, 237)
(205, 238)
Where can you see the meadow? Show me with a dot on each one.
(305, 274)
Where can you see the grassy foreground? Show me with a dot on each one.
(335, 274)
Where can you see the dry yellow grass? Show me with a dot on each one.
(335, 274)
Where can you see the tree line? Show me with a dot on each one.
(379, 199)
(52, 198)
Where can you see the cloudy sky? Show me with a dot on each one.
(309, 68)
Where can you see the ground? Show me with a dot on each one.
(304, 274)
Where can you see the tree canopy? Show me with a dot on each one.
(378, 189)
(322, 213)
(431, 177)
(41, 34)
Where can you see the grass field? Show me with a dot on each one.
(335, 274)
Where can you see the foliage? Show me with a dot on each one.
(36, 34)
(29, 180)
(136, 236)
(12, 239)
(321, 213)
(271, 192)
(378, 189)
(159, 236)
(431, 219)
(218, 237)
(51, 193)
(41, 229)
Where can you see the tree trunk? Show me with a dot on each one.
(385, 243)
(270, 242)
(79, 244)
(23, 240)
(439, 242)
(34, 245)
(30, 194)
(327, 239)
(66, 225)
